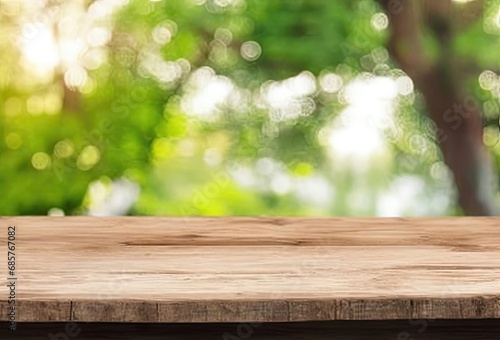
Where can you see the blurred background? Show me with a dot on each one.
(249, 107)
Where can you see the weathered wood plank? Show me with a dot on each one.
(330, 330)
(146, 269)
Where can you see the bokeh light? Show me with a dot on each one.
(41, 161)
(251, 50)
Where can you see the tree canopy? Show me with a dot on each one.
(249, 107)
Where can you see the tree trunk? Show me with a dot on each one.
(458, 117)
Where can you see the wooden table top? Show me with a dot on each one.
(239, 269)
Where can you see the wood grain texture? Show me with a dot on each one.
(327, 330)
(145, 269)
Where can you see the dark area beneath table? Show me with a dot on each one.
(331, 330)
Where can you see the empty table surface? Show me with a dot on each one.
(240, 269)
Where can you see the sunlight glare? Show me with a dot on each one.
(357, 134)
(41, 51)
(399, 199)
(208, 92)
(290, 98)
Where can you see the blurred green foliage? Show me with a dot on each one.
(171, 95)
